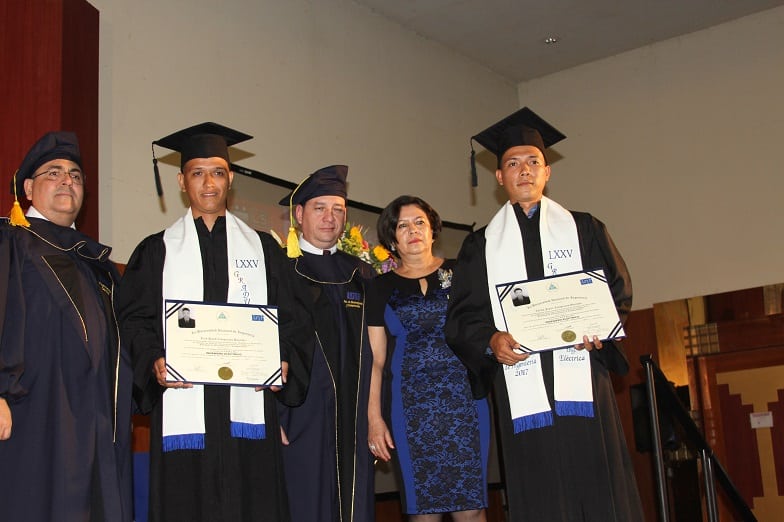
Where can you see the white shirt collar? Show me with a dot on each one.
(308, 247)
(33, 212)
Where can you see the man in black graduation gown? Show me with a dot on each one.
(563, 460)
(328, 466)
(65, 396)
(229, 466)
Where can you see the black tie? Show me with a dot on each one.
(327, 252)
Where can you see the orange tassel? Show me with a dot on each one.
(17, 216)
(292, 242)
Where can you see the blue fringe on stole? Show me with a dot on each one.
(243, 430)
(188, 441)
(574, 408)
(531, 422)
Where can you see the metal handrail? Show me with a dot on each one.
(660, 391)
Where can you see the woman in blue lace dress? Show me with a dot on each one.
(421, 413)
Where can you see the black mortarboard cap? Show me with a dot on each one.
(205, 140)
(51, 146)
(329, 181)
(523, 127)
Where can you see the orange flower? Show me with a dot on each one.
(380, 253)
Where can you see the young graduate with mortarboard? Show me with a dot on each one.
(215, 451)
(564, 452)
(328, 466)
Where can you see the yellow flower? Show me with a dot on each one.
(356, 234)
(380, 253)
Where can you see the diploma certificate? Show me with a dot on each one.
(556, 312)
(233, 344)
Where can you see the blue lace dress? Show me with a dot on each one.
(441, 433)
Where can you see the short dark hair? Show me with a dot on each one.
(387, 221)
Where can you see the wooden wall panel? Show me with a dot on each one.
(671, 319)
(754, 378)
(744, 470)
(736, 305)
(777, 434)
(747, 334)
(31, 37)
(751, 334)
(49, 59)
(641, 340)
(79, 94)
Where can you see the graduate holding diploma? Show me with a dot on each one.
(215, 451)
(565, 456)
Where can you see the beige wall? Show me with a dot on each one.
(316, 83)
(674, 146)
(677, 147)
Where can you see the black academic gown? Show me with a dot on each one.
(231, 479)
(333, 419)
(64, 377)
(579, 468)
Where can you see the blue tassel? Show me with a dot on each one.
(532, 422)
(574, 408)
(243, 430)
(190, 441)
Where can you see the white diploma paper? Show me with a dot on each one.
(556, 312)
(232, 344)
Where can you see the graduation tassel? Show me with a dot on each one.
(17, 216)
(474, 180)
(292, 242)
(156, 172)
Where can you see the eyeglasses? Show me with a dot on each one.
(59, 173)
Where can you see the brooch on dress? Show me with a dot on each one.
(445, 277)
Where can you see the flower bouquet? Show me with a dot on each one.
(352, 242)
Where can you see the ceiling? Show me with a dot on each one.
(508, 36)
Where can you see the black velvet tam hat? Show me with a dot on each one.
(523, 127)
(205, 140)
(328, 181)
(51, 146)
